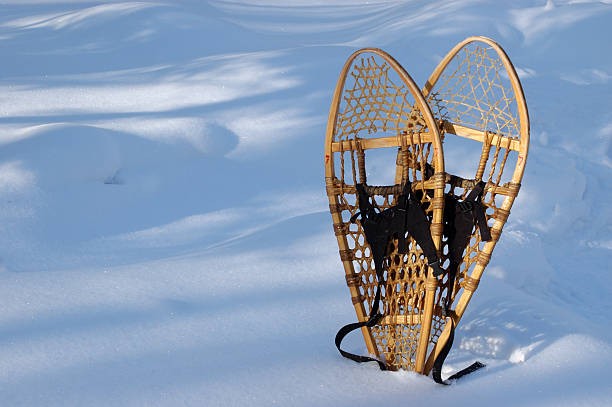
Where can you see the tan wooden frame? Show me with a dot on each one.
(521, 146)
(332, 147)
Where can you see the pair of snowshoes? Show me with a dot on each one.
(410, 285)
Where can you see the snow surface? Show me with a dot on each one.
(163, 244)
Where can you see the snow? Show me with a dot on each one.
(165, 235)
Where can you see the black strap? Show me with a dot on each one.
(370, 219)
(459, 220)
(478, 210)
(375, 318)
(417, 225)
(436, 372)
(406, 215)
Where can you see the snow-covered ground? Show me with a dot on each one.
(164, 233)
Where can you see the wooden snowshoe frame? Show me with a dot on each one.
(377, 105)
(474, 94)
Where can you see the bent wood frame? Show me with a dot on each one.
(333, 147)
(510, 190)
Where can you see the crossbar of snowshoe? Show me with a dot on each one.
(479, 135)
(509, 189)
(408, 319)
(425, 137)
(379, 142)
